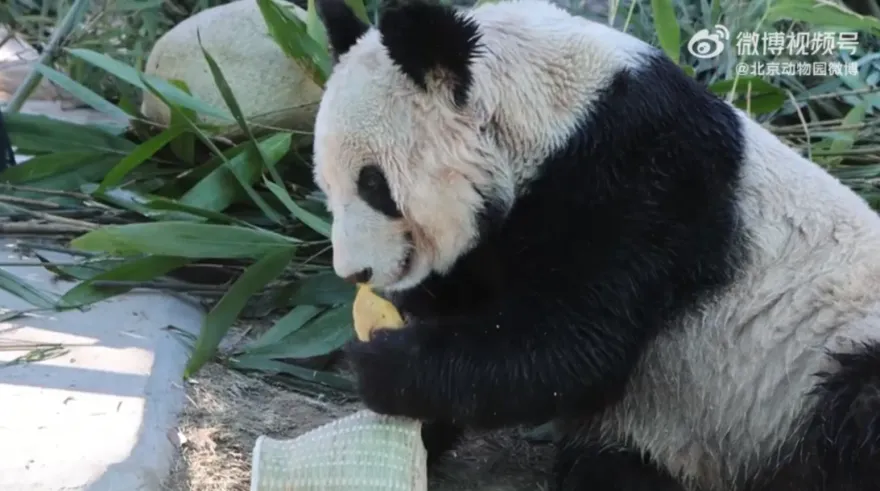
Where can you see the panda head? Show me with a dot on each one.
(431, 121)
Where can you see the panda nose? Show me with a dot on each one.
(361, 276)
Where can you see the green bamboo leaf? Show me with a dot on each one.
(822, 14)
(761, 104)
(264, 207)
(126, 199)
(225, 89)
(314, 26)
(49, 165)
(268, 365)
(82, 93)
(285, 326)
(191, 212)
(666, 25)
(136, 269)
(226, 311)
(360, 9)
(62, 174)
(128, 105)
(183, 239)
(220, 188)
(311, 220)
(232, 104)
(716, 12)
(322, 289)
(25, 291)
(35, 135)
(82, 271)
(133, 6)
(201, 170)
(855, 116)
(134, 77)
(320, 336)
(291, 35)
(158, 207)
(859, 173)
(139, 155)
(184, 146)
(741, 85)
(758, 95)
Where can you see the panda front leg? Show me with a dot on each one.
(439, 437)
(581, 466)
(527, 362)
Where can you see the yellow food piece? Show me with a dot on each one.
(372, 311)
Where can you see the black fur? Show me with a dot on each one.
(438, 437)
(422, 37)
(583, 468)
(491, 215)
(372, 187)
(841, 449)
(480, 281)
(343, 27)
(627, 226)
(7, 156)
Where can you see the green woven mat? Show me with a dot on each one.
(364, 451)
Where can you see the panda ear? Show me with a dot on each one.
(426, 39)
(343, 27)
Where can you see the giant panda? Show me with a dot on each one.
(578, 232)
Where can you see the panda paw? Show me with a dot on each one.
(385, 369)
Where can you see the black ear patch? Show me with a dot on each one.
(343, 27)
(422, 37)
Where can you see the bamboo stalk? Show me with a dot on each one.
(62, 30)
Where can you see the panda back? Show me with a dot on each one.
(722, 393)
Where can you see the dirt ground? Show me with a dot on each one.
(227, 411)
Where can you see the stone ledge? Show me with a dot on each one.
(103, 416)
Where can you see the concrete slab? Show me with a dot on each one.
(102, 416)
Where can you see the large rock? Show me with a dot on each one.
(270, 88)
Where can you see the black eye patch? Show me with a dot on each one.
(373, 189)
